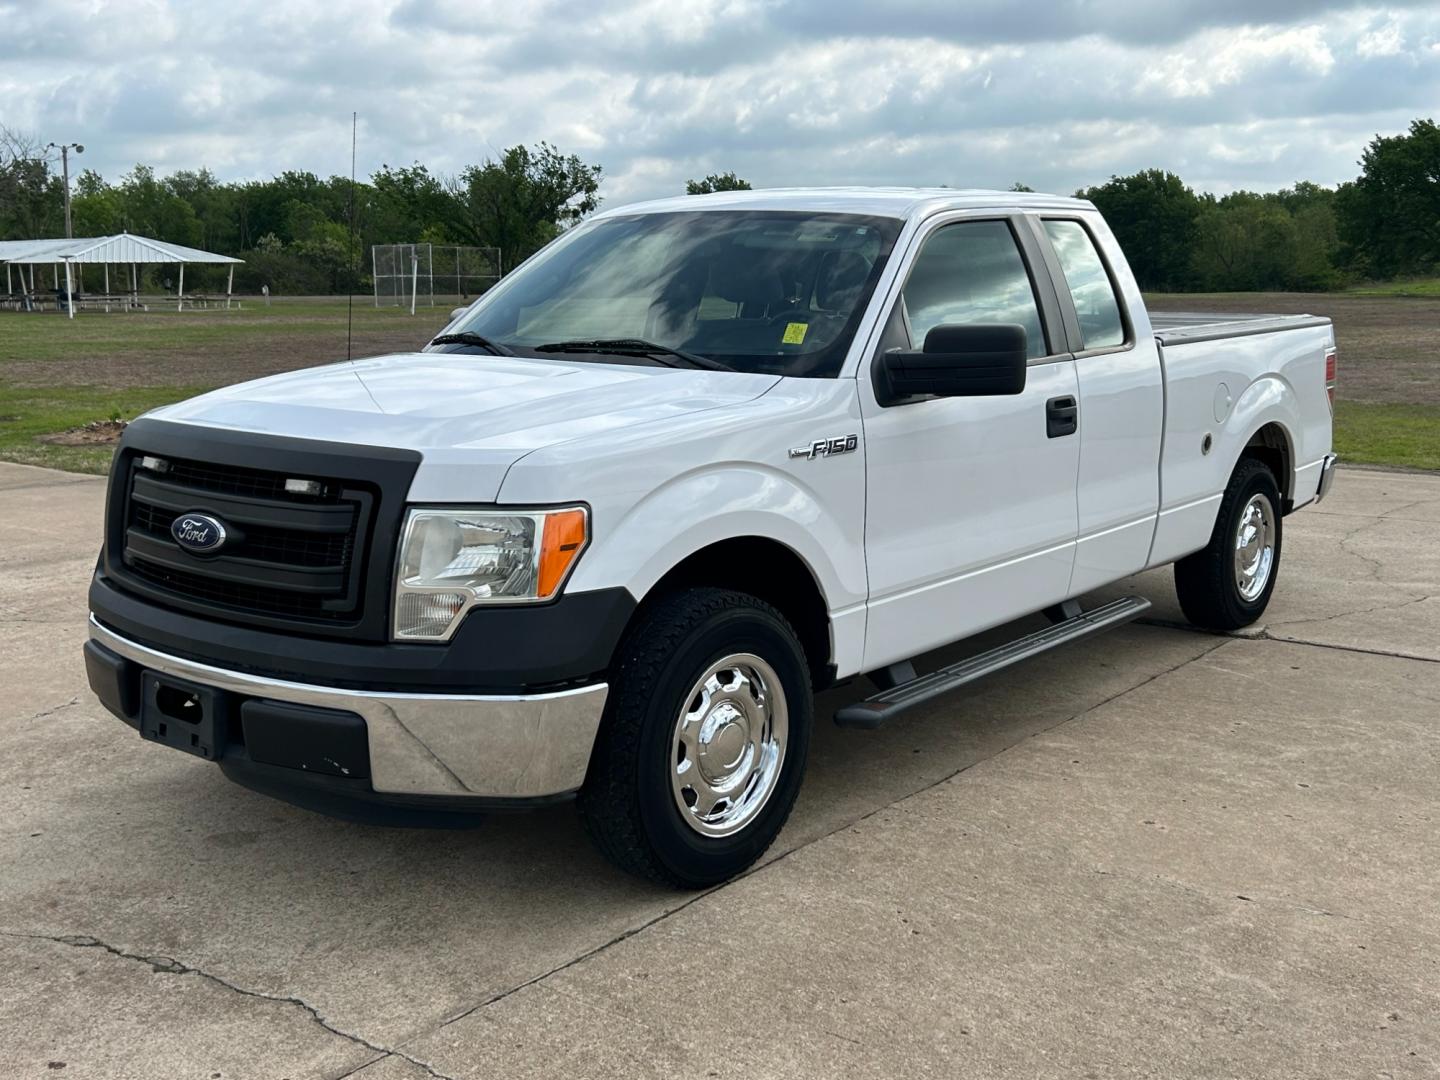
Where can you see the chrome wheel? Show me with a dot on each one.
(729, 745)
(1254, 556)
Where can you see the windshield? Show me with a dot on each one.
(761, 291)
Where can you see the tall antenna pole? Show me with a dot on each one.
(350, 299)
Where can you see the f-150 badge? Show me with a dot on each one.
(836, 444)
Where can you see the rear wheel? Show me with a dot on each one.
(702, 749)
(1227, 584)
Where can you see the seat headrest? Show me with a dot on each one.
(745, 281)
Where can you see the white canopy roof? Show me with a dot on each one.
(124, 248)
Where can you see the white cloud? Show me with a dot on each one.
(1387, 40)
(1228, 93)
(1224, 58)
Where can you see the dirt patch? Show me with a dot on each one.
(95, 433)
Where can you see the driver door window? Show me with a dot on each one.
(972, 272)
(970, 505)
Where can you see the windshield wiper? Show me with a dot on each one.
(636, 347)
(465, 337)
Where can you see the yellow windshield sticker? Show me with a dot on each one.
(795, 333)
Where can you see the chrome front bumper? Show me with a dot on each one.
(522, 746)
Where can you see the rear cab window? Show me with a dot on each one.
(1097, 308)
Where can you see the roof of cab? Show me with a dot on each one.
(897, 202)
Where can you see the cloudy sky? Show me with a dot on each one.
(971, 93)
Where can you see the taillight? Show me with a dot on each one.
(1330, 377)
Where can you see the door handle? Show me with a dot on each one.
(1062, 417)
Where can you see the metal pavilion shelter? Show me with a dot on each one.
(106, 251)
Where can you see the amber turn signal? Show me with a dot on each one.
(560, 545)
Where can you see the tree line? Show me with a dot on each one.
(1383, 224)
(298, 233)
(301, 234)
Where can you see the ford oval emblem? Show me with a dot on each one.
(200, 533)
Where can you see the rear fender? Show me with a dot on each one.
(1268, 400)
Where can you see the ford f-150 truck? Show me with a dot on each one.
(606, 536)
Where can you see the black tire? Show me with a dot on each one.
(628, 804)
(1210, 596)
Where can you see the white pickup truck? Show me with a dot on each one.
(607, 536)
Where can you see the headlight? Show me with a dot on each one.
(451, 560)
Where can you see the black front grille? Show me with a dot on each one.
(288, 555)
(260, 542)
(238, 480)
(226, 594)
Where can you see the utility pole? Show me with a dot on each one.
(65, 149)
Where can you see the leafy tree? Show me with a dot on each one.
(1317, 248)
(1153, 215)
(95, 207)
(726, 181)
(408, 205)
(213, 204)
(1018, 186)
(150, 208)
(1243, 242)
(1389, 218)
(32, 198)
(523, 201)
(329, 248)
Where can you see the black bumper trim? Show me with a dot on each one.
(356, 801)
(536, 647)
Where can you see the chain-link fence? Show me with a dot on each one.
(411, 275)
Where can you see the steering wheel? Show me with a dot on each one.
(790, 315)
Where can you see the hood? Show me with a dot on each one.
(470, 416)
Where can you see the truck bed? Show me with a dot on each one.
(1186, 327)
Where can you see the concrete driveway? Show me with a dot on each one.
(1157, 853)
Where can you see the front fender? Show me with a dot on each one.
(737, 500)
(661, 491)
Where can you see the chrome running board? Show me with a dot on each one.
(880, 707)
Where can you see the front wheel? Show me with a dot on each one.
(702, 748)
(1227, 584)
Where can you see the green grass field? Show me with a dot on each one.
(57, 374)
(1396, 435)
(29, 413)
(1424, 287)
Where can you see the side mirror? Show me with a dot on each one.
(457, 313)
(974, 360)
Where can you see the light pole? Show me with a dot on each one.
(65, 149)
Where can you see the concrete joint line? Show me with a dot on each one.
(597, 950)
(1357, 611)
(760, 869)
(1264, 634)
(165, 965)
(1395, 654)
